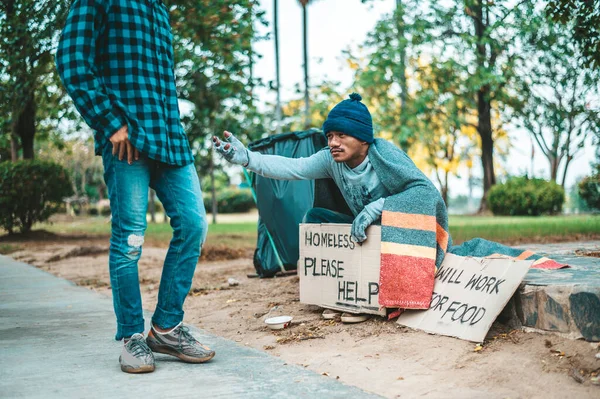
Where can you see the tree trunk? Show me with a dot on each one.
(402, 64)
(566, 167)
(553, 167)
(484, 108)
(484, 128)
(14, 148)
(25, 127)
(213, 191)
(152, 205)
(277, 75)
(444, 191)
(307, 121)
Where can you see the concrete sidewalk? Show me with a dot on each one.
(56, 342)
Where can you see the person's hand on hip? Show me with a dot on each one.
(122, 145)
(231, 149)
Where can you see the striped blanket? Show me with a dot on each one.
(414, 232)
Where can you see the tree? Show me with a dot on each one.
(444, 132)
(583, 18)
(304, 4)
(477, 36)
(213, 59)
(556, 96)
(28, 32)
(85, 169)
(324, 97)
(277, 77)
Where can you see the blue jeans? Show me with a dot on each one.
(322, 215)
(179, 191)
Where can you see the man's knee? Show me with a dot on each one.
(132, 248)
(312, 216)
(192, 227)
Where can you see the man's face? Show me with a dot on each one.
(345, 148)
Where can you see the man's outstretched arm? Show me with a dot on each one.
(273, 166)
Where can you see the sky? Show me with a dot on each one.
(335, 25)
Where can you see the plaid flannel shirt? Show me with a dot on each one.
(115, 58)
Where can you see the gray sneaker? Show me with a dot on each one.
(179, 343)
(136, 356)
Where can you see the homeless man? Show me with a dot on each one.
(380, 184)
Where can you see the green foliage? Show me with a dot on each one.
(28, 33)
(584, 15)
(556, 95)
(77, 157)
(213, 65)
(30, 191)
(221, 181)
(231, 201)
(589, 190)
(522, 196)
(468, 49)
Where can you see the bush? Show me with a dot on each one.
(527, 197)
(589, 190)
(231, 201)
(31, 191)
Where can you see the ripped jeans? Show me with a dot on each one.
(179, 191)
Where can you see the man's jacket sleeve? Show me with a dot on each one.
(75, 60)
(283, 168)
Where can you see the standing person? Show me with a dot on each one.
(115, 59)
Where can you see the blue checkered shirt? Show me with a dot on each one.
(115, 58)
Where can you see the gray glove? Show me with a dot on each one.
(232, 149)
(363, 220)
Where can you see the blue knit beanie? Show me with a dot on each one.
(351, 117)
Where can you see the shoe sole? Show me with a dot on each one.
(331, 315)
(138, 370)
(167, 350)
(352, 319)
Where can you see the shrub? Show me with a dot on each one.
(231, 201)
(103, 207)
(31, 191)
(528, 197)
(589, 190)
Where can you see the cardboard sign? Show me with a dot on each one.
(469, 293)
(337, 273)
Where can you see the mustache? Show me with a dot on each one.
(336, 150)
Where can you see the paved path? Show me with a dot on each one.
(56, 342)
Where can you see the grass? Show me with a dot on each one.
(524, 229)
(508, 230)
(235, 235)
(6, 249)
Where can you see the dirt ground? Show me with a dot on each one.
(378, 356)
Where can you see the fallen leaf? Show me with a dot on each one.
(325, 374)
(478, 348)
(548, 343)
(400, 378)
